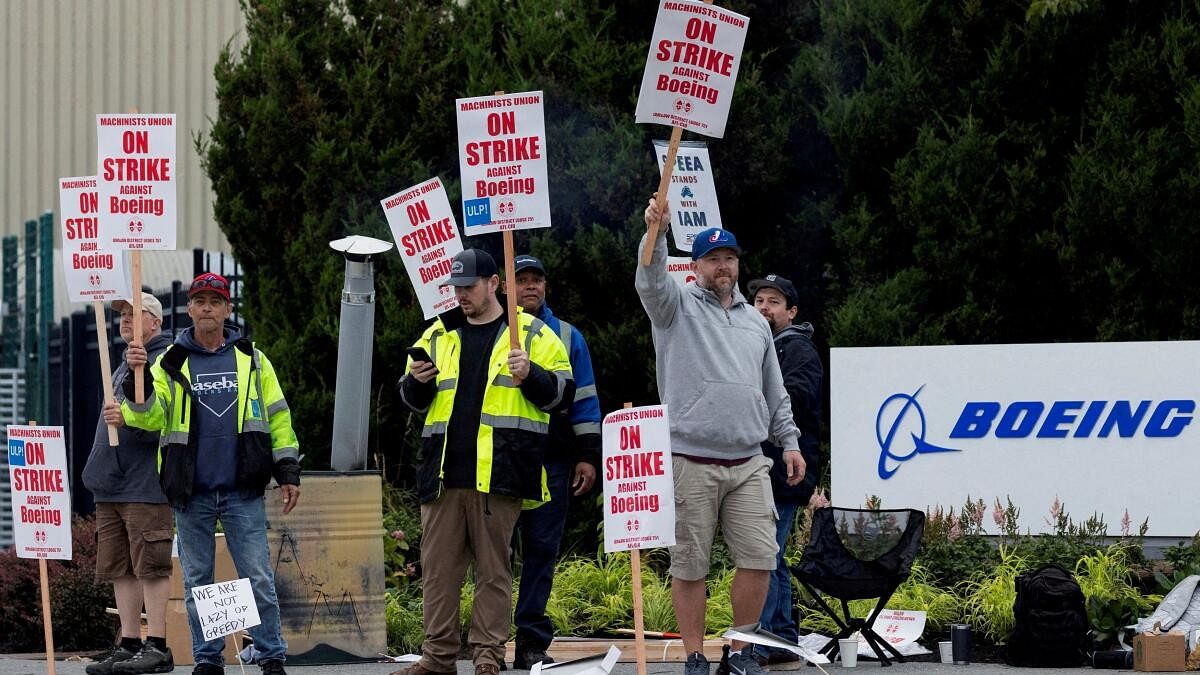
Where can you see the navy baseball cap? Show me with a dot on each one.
(785, 287)
(469, 265)
(527, 262)
(711, 239)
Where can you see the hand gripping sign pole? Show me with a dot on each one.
(689, 79)
(510, 290)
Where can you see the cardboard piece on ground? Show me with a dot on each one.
(755, 634)
(1159, 652)
(599, 664)
(660, 651)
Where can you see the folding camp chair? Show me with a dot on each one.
(853, 555)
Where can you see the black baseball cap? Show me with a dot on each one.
(469, 265)
(528, 262)
(778, 283)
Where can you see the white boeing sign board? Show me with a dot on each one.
(1104, 427)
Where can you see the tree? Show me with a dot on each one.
(329, 107)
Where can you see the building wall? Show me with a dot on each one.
(64, 61)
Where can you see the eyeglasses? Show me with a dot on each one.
(209, 282)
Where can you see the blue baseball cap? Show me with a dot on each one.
(713, 238)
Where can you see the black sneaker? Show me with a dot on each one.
(208, 669)
(272, 667)
(148, 660)
(696, 664)
(740, 663)
(525, 658)
(114, 656)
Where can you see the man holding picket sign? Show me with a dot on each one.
(487, 414)
(716, 367)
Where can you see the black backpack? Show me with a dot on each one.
(1051, 622)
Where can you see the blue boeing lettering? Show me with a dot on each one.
(1166, 419)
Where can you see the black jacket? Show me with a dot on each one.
(802, 375)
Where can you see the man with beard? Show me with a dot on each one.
(487, 415)
(719, 377)
(776, 299)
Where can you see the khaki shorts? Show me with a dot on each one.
(739, 498)
(133, 539)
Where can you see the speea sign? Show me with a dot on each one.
(925, 426)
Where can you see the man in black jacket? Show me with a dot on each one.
(776, 299)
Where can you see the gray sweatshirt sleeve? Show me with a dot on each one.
(783, 429)
(660, 295)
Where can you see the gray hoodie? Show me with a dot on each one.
(128, 472)
(717, 370)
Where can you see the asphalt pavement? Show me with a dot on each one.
(28, 666)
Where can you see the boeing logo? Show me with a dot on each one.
(1076, 419)
(897, 407)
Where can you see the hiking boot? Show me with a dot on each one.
(696, 664)
(740, 663)
(487, 669)
(114, 656)
(149, 659)
(272, 667)
(528, 656)
(208, 669)
(418, 669)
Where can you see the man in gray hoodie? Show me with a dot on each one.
(133, 519)
(720, 380)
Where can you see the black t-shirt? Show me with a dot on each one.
(463, 429)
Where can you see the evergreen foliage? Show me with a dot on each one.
(330, 107)
(927, 172)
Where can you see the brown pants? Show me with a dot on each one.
(459, 527)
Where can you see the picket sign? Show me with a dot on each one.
(44, 584)
(78, 203)
(150, 196)
(710, 119)
(639, 494)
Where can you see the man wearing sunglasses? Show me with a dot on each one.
(227, 429)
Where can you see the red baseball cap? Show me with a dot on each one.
(213, 283)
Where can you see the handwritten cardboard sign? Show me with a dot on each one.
(639, 484)
(225, 607)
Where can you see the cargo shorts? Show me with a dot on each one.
(739, 498)
(133, 539)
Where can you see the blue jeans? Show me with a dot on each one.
(540, 532)
(777, 614)
(245, 524)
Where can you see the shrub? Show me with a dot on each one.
(405, 620)
(77, 602)
(988, 598)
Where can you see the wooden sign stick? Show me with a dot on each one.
(138, 373)
(660, 197)
(105, 364)
(47, 624)
(510, 290)
(639, 626)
